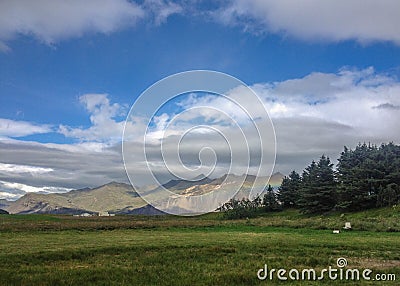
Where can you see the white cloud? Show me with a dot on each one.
(20, 169)
(102, 116)
(9, 196)
(59, 165)
(321, 113)
(12, 128)
(161, 9)
(17, 190)
(278, 109)
(331, 20)
(216, 109)
(51, 21)
(327, 96)
(156, 133)
(313, 115)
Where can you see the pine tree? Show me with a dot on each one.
(306, 199)
(318, 191)
(389, 188)
(288, 192)
(270, 200)
(345, 173)
(362, 175)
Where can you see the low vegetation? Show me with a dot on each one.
(376, 220)
(289, 229)
(204, 250)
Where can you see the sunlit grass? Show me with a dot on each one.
(185, 251)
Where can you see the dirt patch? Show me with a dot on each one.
(373, 263)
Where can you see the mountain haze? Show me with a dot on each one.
(122, 198)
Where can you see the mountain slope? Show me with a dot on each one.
(110, 197)
(175, 185)
(213, 192)
(122, 198)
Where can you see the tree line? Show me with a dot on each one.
(365, 177)
(245, 208)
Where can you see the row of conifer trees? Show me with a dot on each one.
(365, 177)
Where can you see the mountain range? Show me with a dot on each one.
(121, 198)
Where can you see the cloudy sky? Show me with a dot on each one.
(328, 72)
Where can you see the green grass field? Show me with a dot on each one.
(205, 250)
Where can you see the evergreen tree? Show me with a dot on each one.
(345, 176)
(306, 199)
(270, 200)
(288, 192)
(318, 191)
(364, 175)
(389, 188)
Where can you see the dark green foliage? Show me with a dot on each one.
(318, 188)
(357, 174)
(3, 211)
(288, 192)
(366, 177)
(237, 209)
(369, 176)
(245, 208)
(270, 200)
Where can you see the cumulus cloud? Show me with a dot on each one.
(320, 113)
(314, 115)
(332, 20)
(105, 128)
(325, 96)
(13, 128)
(51, 21)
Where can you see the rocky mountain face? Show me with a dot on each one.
(121, 198)
(110, 197)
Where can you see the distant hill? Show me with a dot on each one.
(121, 198)
(111, 197)
(185, 184)
(276, 179)
(209, 189)
(3, 212)
(145, 210)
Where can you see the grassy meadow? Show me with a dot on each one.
(204, 250)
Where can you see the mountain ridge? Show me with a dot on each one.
(115, 197)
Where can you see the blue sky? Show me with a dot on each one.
(69, 74)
